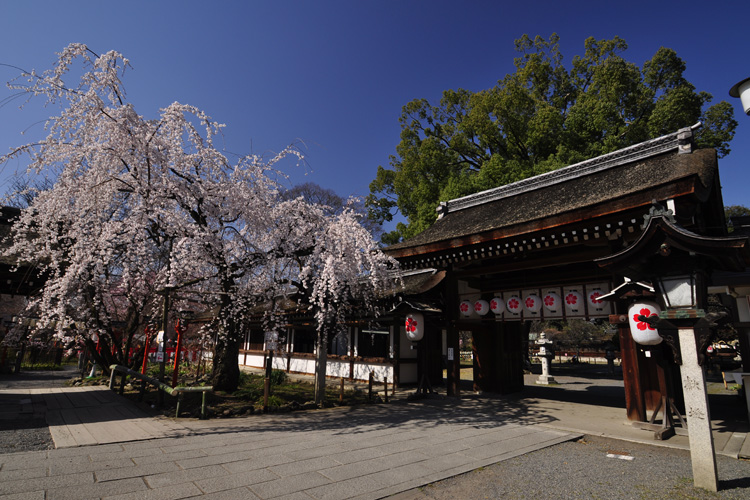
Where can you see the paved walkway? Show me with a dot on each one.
(328, 454)
(368, 452)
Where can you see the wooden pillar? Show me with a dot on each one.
(508, 366)
(396, 332)
(451, 306)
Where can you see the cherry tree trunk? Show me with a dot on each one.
(321, 363)
(226, 370)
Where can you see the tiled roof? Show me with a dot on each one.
(594, 183)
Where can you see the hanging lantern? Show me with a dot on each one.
(595, 305)
(642, 332)
(466, 308)
(552, 302)
(574, 302)
(532, 303)
(414, 326)
(481, 307)
(513, 305)
(497, 305)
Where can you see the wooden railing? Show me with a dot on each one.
(176, 391)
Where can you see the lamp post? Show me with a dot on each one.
(675, 260)
(683, 296)
(742, 90)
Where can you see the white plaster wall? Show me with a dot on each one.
(279, 363)
(254, 360)
(337, 369)
(302, 365)
(380, 371)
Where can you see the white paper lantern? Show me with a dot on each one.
(552, 302)
(574, 302)
(532, 303)
(497, 305)
(481, 307)
(466, 308)
(513, 304)
(414, 326)
(642, 332)
(595, 305)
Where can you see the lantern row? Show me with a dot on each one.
(551, 303)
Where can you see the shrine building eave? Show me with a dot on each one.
(661, 169)
(663, 238)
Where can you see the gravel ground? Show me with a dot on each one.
(24, 435)
(582, 470)
(19, 433)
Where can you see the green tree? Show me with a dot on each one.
(542, 117)
(734, 211)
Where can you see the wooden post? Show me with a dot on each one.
(180, 329)
(454, 365)
(341, 391)
(266, 390)
(385, 383)
(369, 390)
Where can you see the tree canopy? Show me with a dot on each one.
(544, 116)
(147, 212)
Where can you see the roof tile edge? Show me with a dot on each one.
(680, 140)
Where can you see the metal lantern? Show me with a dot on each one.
(742, 90)
(683, 291)
(466, 308)
(414, 326)
(532, 303)
(481, 307)
(643, 333)
(497, 305)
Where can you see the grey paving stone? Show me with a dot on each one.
(257, 463)
(28, 473)
(233, 481)
(236, 494)
(289, 485)
(96, 490)
(343, 490)
(168, 457)
(357, 469)
(83, 464)
(32, 495)
(135, 471)
(173, 492)
(302, 466)
(226, 458)
(16, 461)
(184, 476)
(84, 450)
(361, 455)
(21, 485)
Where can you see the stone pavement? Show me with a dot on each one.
(367, 452)
(341, 453)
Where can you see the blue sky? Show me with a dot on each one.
(332, 76)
